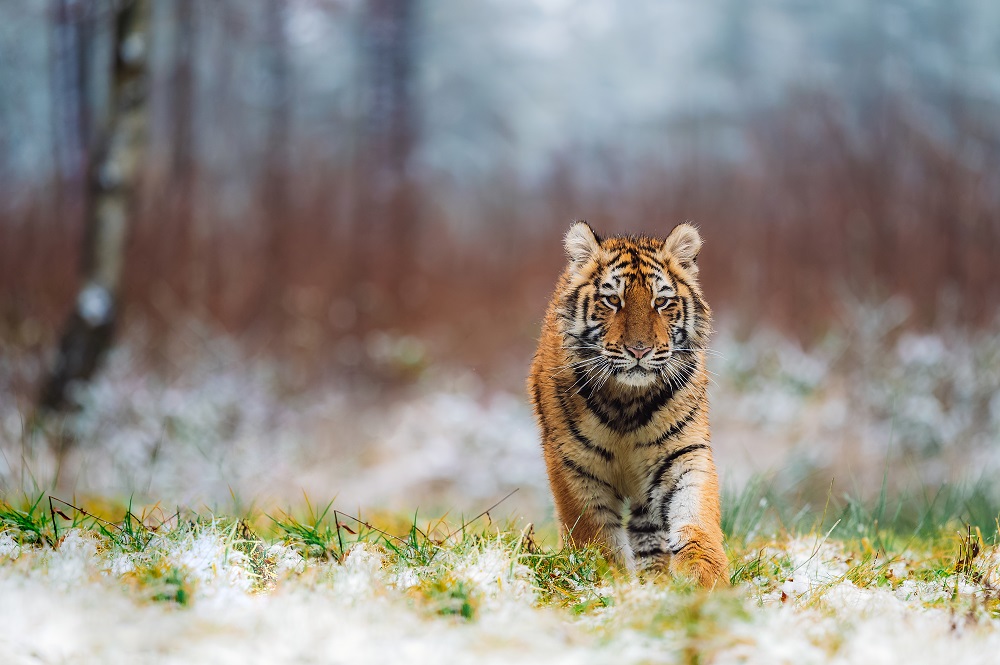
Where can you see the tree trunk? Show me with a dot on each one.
(69, 79)
(275, 189)
(88, 332)
(70, 120)
(188, 247)
(386, 211)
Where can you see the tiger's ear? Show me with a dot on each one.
(581, 243)
(684, 243)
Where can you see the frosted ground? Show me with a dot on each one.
(224, 438)
(88, 601)
(223, 428)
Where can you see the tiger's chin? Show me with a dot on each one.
(637, 377)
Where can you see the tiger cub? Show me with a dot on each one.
(618, 385)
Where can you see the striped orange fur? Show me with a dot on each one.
(619, 390)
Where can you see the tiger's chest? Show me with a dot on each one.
(634, 436)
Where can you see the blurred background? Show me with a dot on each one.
(341, 223)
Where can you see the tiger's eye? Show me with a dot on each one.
(614, 301)
(660, 302)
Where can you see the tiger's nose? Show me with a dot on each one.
(638, 350)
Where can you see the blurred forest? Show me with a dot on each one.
(324, 233)
(325, 175)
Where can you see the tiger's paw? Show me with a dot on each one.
(700, 557)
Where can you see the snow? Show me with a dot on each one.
(877, 628)
(356, 611)
(225, 434)
(73, 606)
(816, 611)
(504, 585)
(75, 560)
(224, 430)
(210, 562)
(9, 548)
(285, 560)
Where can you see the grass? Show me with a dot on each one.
(940, 535)
(27, 523)
(928, 557)
(937, 539)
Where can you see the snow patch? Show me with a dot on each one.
(286, 561)
(9, 548)
(216, 568)
(362, 574)
(74, 561)
(504, 584)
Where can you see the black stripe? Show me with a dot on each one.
(601, 508)
(546, 432)
(675, 429)
(606, 454)
(578, 338)
(670, 459)
(644, 528)
(652, 264)
(686, 313)
(694, 294)
(571, 301)
(583, 473)
(639, 510)
(678, 550)
(650, 552)
(618, 263)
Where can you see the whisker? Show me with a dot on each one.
(668, 376)
(586, 377)
(566, 369)
(578, 390)
(689, 363)
(708, 351)
(577, 363)
(694, 365)
(604, 379)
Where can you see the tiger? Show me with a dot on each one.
(618, 386)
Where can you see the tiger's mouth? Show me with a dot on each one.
(636, 376)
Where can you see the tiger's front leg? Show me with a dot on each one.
(675, 527)
(589, 510)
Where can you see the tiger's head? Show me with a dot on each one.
(633, 310)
